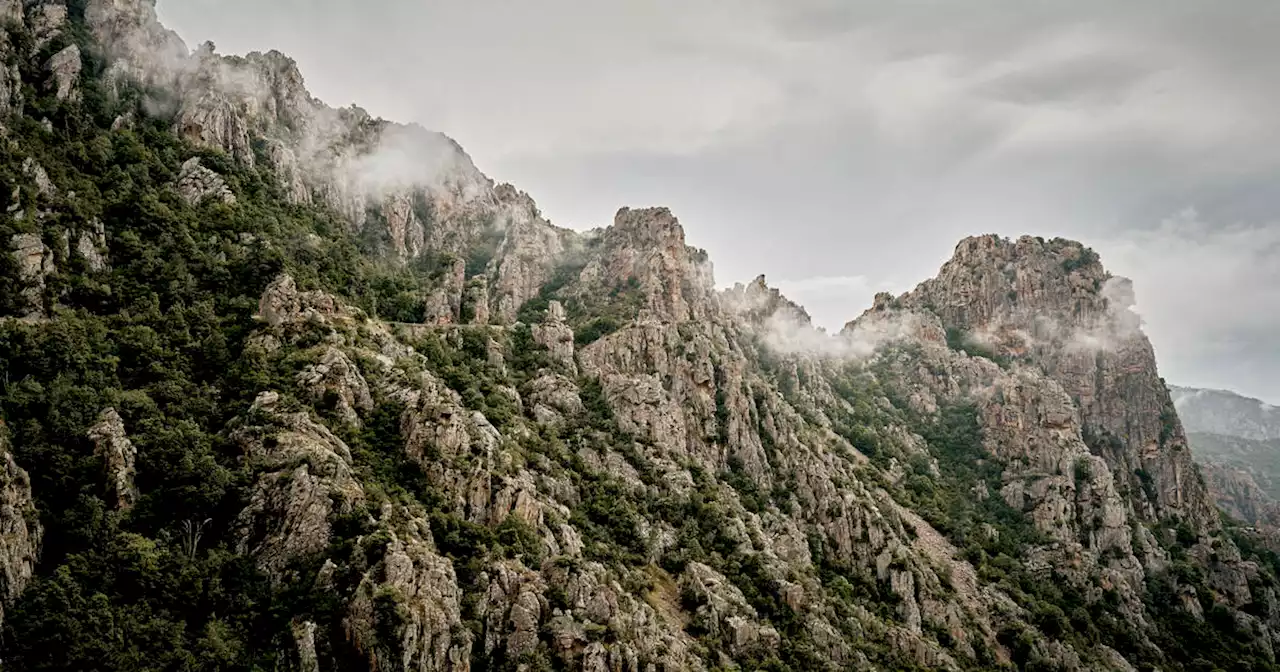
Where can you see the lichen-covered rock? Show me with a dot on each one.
(282, 304)
(304, 635)
(529, 252)
(39, 176)
(512, 609)
(646, 248)
(11, 99)
(444, 304)
(552, 397)
(336, 379)
(112, 446)
(407, 233)
(91, 245)
(35, 262)
(424, 598)
(47, 21)
(213, 120)
(64, 73)
(20, 529)
(556, 336)
(476, 301)
(11, 12)
(304, 478)
(196, 183)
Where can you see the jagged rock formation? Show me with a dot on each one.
(196, 183)
(112, 446)
(556, 336)
(1053, 304)
(430, 196)
(453, 436)
(20, 529)
(64, 71)
(35, 262)
(47, 21)
(306, 478)
(91, 245)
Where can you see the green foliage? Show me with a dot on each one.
(161, 336)
(960, 341)
(1086, 257)
(594, 317)
(464, 365)
(953, 501)
(595, 329)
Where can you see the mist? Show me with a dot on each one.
(847, 148)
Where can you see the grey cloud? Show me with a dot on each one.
(849, 138)
(1087, 80)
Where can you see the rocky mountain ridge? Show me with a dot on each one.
(1226, 413)
(301, 389)
(1237, 442)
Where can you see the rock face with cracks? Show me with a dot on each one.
(383, 415)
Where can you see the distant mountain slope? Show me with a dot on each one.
(1259, 458)
(1226, 413)
(1236, 440)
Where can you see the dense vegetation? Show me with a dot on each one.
(162, 335)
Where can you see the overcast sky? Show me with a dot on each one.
(843, 147)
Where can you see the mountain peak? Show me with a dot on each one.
(454, 436)
(1044, 289)
(1051, 304)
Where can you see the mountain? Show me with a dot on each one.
(1237, 441)
(1226, 413)
(294, 388)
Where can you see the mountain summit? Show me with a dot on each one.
(290, 387)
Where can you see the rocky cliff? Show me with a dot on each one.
(302, 389)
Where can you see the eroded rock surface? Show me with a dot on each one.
(196, 183)
(112, 446)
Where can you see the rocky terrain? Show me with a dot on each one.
(1237, 443)
(290, 387)
(1226, 414)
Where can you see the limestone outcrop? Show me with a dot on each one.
(305, 479)
(196, 183)
(35, 262)
(112, 446)
(20, 529)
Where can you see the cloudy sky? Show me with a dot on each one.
(842, 147)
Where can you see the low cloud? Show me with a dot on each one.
(1209, 294)
(834, 300)
(849, 137)
(345, 150)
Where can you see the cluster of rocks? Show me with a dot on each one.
(1075, 410)
(197, 183)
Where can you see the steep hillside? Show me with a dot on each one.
(1226, 414)
(292, 388)
(1237, 441)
